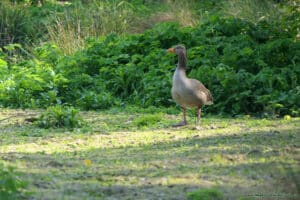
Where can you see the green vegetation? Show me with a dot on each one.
(93, 80)
(59, 116)
(250, 66)
(10, 183)
(205, 194)
(148, 120)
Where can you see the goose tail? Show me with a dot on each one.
(209, 99)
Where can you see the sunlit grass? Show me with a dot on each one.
(252, 10)
(70, 29)
(126, 160)
(183, 12)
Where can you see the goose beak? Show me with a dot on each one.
(171, 50)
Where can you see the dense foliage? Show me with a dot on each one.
(249, 68)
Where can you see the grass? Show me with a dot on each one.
(14, 22)
(79, 21)
(253, 10)
(70, 29)
(120, 156)
(69, 24)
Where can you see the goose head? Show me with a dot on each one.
(179, 49)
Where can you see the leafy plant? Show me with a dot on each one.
(10, 183)
(92, 101)
(60, 117)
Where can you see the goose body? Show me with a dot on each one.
(185, 91)
(189, 92)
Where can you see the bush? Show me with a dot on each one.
(10, 183)
(31, 83)
(249, 68)
(93, 101)
(59, 117)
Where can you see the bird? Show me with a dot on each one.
(187, 92)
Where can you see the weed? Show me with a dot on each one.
(10, 183)
(60, 116)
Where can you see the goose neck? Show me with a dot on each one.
(182, 60)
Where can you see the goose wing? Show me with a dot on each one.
(202, 92)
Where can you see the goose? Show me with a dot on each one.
(187, 92)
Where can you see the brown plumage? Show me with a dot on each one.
(185, 91)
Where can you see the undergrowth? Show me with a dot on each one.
(249, 68)
(251, 65)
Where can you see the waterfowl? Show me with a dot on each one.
(187, 92)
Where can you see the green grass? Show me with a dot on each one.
(241, 157)
(205, 194)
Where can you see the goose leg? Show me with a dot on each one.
(184, 116)
(184, 122)
(198, 116)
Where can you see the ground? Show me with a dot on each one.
(140, 156)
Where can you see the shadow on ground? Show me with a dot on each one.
(242, 164)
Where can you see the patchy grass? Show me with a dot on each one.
(137, 155)
(205, 194)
